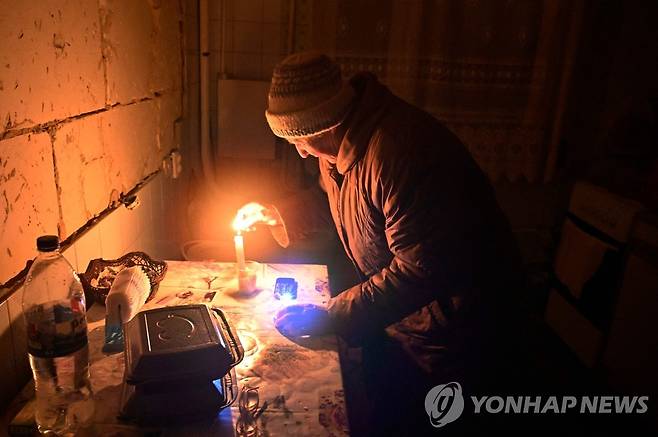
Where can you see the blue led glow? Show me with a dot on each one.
(218, 385)
(285, 289)
(286, 297)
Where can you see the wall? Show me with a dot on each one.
(611, 128)
(254, 41)
(91, 101)
(253, 34)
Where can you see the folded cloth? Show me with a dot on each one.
(128, 293)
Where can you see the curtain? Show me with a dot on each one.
(494, 71)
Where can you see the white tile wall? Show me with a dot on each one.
(254, 38)
(229, 34)
(247, 10)
(248, 36)
(269, 62)
(272, 38)
(247, 65)
(273, 10)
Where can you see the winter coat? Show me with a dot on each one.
(419, 220)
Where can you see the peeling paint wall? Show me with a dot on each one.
(91, 99)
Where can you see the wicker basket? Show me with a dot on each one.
(100, 273)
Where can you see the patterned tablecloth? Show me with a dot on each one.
(299, 385)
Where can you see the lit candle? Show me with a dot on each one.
(239, 251)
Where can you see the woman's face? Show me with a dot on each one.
(324, 145)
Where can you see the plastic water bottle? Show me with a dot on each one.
(55, 315)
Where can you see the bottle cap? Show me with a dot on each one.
(48, 243)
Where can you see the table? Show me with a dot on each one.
(301, 385)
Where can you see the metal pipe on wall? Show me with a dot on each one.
(207, 155)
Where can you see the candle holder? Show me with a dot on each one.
(249, 277)
(247, 281)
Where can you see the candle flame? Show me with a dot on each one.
(240, 223)
(248, 216)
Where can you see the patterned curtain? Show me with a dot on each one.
(494, 71)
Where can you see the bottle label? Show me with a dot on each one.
(56, 329)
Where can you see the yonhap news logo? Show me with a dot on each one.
(445, 404)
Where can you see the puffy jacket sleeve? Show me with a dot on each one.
(301, 214)
(428, 204)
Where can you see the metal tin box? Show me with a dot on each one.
(181, 344)
(176, 404)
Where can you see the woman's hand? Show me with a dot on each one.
(254, 213)
(303, 320)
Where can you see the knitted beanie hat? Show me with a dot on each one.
(307, 96)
